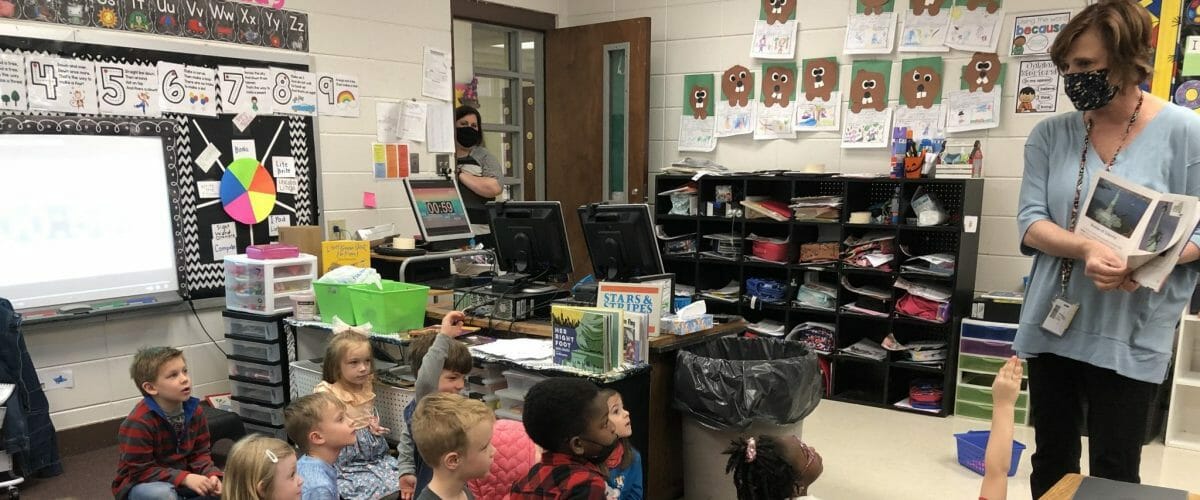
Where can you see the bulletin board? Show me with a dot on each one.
(272, 136)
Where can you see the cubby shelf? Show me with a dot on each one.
(856, 380)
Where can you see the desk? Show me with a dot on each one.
(429, 257)
(1067, 486)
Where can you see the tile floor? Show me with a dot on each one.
(876, 454)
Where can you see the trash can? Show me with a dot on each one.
(731, 387)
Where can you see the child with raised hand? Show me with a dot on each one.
(455, 434)
(772, 467)
(998, 456)
(365, 469)
(625, 464)
(568, 418)
(318, 424)
(261, 468)
(441, 364)
(165, 450)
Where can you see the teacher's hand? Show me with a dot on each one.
(1104, 267)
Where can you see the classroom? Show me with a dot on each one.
(602, 249)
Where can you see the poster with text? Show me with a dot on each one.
(296, 28)
(735, 109)
(698, 123)
(138, 15)
(819, 105)
(921, 98)
(871, 29)
(12, 82)
(273, 28)
(975, 25)
(337, 95)
(776, 114)
(1037, 87)
(168, 17)
(775, 31)
(107, 14)
(249, 27)
(61, 85)
(128, 89)
(189, 90)
(196, 19)
(294, 92)
(1033, 34)
(245, 90)
(926, 24)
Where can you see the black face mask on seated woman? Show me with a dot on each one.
(467, 137)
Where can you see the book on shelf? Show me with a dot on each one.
(650, 298)
(588, 338)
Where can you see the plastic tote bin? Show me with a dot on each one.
(730, 387)
(333, 300)
(397, 307)
(972, 446)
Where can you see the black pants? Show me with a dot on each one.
(1117, 408)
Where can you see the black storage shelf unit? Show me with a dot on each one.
(237, 324)
(856, 380)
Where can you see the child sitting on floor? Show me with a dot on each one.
(365, 469)
(772, 467)
(455, 435)
(261, 468)
(317, 423)
(625, 464)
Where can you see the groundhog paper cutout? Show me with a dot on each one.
(983, 72)
(874, 7)
(819, 78)
(737, 86)
(922, 7)
(698, 98)
(778, 85)
(778, 11)
(921, 82)
(991, 5)
(868, 90)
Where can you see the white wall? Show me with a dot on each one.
(698, 36)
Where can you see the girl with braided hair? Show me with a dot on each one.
(772, 467)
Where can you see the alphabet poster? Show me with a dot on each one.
(977, 105)
(1033, 34)
(294, 92)
(921, 98)
(61, 85)
(1037, 87)
(137, 15)
(697, 126)
(337, 95)
(872, 28)
(128, 89)
(12, 82)
(775, 30)
(107, 14)
(245, 90)
(190, 90)
(223, 20)
(869, 120)
(975, 25)
(776, 109)
(735, 109)
(819, 105)
(926, 24)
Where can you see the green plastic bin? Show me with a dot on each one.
(333, 299)
(398, 307)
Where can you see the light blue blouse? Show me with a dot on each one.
(1130, 332)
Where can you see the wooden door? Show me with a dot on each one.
(576, 61)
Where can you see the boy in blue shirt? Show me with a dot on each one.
(317, 423)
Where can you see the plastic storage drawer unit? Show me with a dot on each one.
(262, 352)
(265, 393)
(258, 372)
(264, 414)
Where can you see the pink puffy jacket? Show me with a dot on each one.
(515, 455)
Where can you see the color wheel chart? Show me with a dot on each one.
(247, 191)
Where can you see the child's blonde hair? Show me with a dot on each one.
(250, 466)
(331, 368)
(305, 414)
(146, 363)
(441, 422)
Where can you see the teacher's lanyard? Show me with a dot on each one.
(1069, 264)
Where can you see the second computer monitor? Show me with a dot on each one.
(531, 238)
(621, 241)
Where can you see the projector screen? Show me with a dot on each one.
(83, 218)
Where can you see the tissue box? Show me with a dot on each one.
(674, 325)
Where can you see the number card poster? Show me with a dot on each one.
(12, 83)
(294, 92)
(61, 85)
(190, 90)
(244, 90)
(128, 89)
(337, 95)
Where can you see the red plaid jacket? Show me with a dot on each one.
(561, 477)
(151, 452)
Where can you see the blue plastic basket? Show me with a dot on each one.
(972, 447)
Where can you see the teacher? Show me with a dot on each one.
(476, 168)
(1111, 356)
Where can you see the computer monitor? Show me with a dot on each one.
(620, 240)
(439, 209)
(531, 239)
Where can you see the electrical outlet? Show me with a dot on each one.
(337, 230)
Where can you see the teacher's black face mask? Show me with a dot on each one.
(1089, 90)
(468, 137)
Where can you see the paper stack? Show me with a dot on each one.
(817, 208)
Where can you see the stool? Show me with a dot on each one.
(222, 425)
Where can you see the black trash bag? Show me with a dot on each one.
(731, 382)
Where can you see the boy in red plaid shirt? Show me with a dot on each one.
(567, 417)
(164, 443)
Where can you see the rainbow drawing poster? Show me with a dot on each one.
(337, 95)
